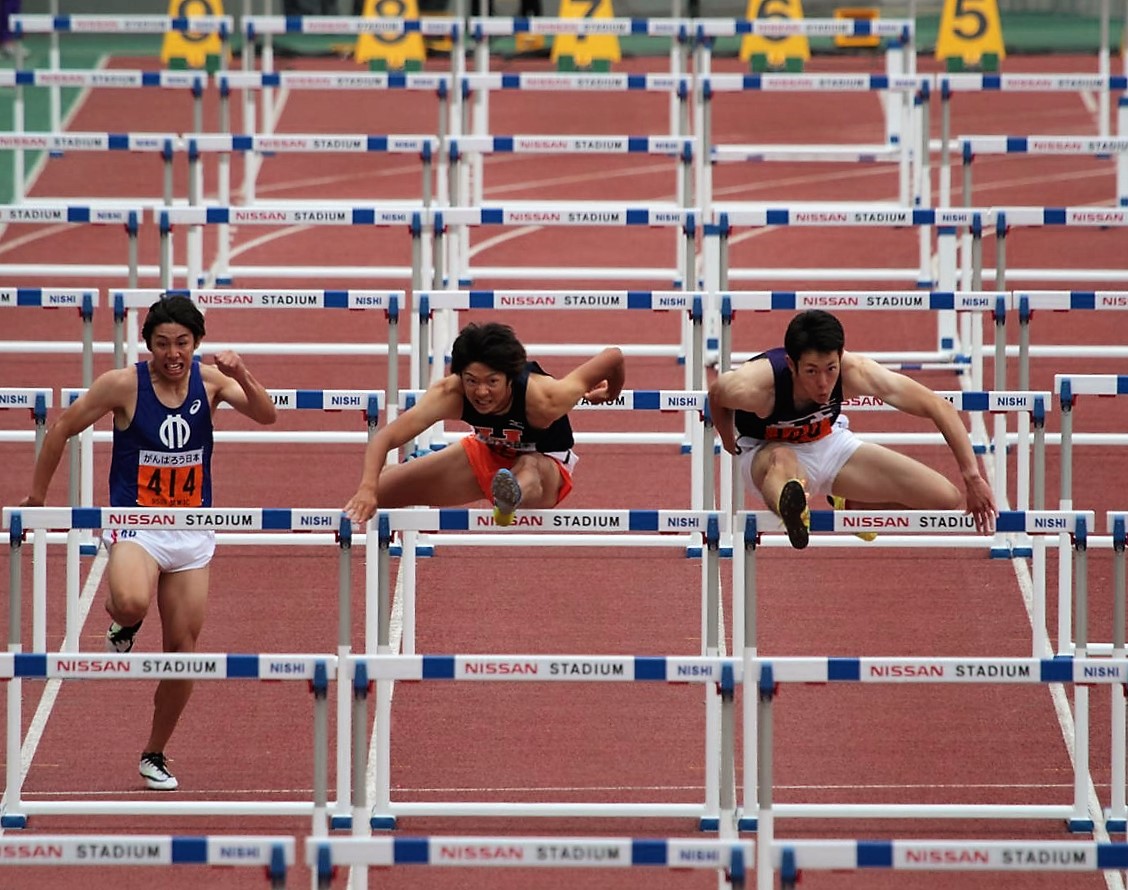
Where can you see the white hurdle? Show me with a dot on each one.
(918, 528)
(70, 663)
(121, 213)
(85, 299)
(528, 531)
(273, 853)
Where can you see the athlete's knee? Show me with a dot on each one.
(127, 608)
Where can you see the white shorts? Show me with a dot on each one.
(821, 461)
(173, 550)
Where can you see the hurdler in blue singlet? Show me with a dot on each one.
(510, 433)
(786, 423)
(163, 459)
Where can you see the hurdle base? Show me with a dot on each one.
(696, 552)
(87, 549)
(1080, 826)
(420, 550)
(747, 823)
(709, 823)
(340, 823)
(1001, 553)
(13, 820)
(1022, 552)
(382, 823)
(1115, 825)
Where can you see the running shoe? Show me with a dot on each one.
(792, 509)
(154, 770)
(506, 496)
(120, 639)
(840, 504)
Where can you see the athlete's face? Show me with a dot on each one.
(815, 375)
(172, 346)
(488, 390)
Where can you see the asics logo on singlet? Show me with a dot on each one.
(174, 432)
(195, 406)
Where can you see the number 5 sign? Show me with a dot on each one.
(970, 33)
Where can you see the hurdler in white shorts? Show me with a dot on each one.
(174, 550)
(821, 460)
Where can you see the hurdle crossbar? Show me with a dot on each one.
(730, 858)
(791, 857)
(275, 853)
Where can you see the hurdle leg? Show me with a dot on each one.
(360, 824)
(1117, 818)
(344, 650)
(1080, 820)
(765, 819)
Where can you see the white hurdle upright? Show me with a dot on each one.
(1026, 302)
(731, 859)
(919, 528)
(273, 853)
(70, 663)
(1116, 817)
(531, 525)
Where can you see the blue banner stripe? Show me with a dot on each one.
(647, 400)
(313, 399)
(1110, 855)
(648, 852)
(243, 666)
(975, 401)
(30, 664)
(410, 851)
(843, 669)
(643, 520)
(189, 850)
(438, 667)
(277, 519)
(1057, 670)
(875, 854)
(86, 517)
(650, 667)
(454, 519)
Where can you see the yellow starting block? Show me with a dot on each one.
(970, 35)
(768, 52)
(185, 49)
(391, 52)
(595, 52)
(851, 41)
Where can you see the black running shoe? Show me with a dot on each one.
(120, 639)
(794, 513)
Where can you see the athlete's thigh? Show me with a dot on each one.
(440, 479)
(876, 474)
(548, 472)
(182, 598)
(131, 573)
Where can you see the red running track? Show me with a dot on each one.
(467, 742)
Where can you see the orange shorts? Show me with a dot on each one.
(485, 462)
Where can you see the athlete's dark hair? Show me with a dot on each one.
(175, 310)
(493, 344)
(813, 330)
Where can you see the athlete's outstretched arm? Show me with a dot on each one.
(442, 401)
(863, 376)
(109, 391)
(599, 379)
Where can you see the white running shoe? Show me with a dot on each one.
(154, 770)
